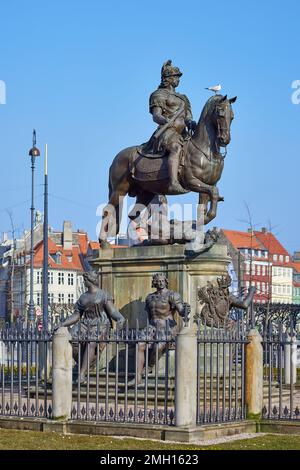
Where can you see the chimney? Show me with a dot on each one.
(67, 235)
(264, 230)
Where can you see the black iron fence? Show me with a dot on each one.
(25, 366)
(124, 375)
(221, 373)
(281, 371)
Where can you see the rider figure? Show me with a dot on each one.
(165, 103)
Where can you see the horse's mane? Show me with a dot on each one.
(209, 104)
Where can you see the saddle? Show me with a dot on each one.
(148, 166)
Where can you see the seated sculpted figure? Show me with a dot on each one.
(161, 307)
(93, 310)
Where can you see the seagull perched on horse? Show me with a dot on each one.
(215, 88)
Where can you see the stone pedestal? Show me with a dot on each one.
(127, 274)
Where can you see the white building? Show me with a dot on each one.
(67, 253)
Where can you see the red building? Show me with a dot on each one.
(250, 262)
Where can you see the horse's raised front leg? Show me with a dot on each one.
(214, 199)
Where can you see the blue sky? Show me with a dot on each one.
(81, 74)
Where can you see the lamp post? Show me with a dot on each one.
(33, 153)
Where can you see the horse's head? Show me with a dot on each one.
(222, 116)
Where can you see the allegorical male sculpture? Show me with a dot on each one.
(93, 310)
(181, 155)
(161, 307)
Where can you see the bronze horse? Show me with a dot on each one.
(200, 169)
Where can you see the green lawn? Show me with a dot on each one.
(29, 440)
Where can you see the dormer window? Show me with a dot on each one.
(58, 257)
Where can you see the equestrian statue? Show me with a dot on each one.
(181, 156)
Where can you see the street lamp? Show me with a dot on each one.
(33, 153)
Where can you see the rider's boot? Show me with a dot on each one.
(174, 185)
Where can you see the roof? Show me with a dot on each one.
(83, 242)
(96, 245)
(70, 259)
(296, 266)
(243, 240)
(271, 243)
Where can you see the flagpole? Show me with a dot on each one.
(45, 239)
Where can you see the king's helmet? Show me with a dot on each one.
(168, 70)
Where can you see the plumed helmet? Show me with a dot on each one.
(168, 70)
(224, 282)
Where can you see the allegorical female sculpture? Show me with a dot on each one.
(93, 311)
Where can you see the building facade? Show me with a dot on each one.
(260, 260)
(66, 264)
(250, 262)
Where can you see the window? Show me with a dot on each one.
(247, 284)
(39, 277)
(279, 272)
(258, 287)
(258, 269)
(61, 298)
(287, 259)
(275, 258)
(38, 298)
(253, 269)
(247, 268)
(263, 270)
(263, 287)
(50, 277)
(70, 298)
(281, 258)
(284, 289)
(61, 278)
(58, 258)
(51, 298)
(70, 279)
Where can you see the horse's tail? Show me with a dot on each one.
(110, 187)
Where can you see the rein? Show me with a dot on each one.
(209, 158)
